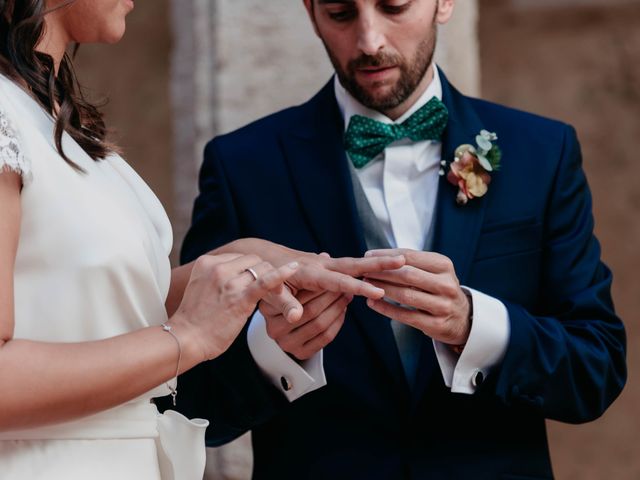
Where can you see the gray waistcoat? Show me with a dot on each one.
(408, 339)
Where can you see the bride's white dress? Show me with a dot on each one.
(92, 263)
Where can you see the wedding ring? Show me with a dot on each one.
(252, 272)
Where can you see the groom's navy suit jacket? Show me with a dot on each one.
(528, 242)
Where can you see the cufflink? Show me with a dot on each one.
(286, 384)
(477, 378)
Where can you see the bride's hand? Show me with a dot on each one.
(321, 273)
(221, 295)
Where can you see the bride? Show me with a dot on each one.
(93, 322)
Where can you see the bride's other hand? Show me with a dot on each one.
(221, 295)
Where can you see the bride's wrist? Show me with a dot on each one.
(190, 337)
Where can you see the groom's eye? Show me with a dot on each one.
(343, 14)
(395, 7)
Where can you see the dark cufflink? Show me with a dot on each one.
(286, 384)
(477, 379)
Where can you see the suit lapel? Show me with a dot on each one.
(320, 174)
(457, 228)
(318, 165)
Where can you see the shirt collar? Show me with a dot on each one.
(349, 106)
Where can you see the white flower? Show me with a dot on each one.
(484, 143)
(489, 135)
(485, 163)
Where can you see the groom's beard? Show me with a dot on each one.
(411, 74)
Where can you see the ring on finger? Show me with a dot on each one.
(252, 272)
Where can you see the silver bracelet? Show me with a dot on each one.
(174, 391)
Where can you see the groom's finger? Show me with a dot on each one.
(309, 339)
(318, 305)
(406, 296)
(428, 261)
(413, 318)
(409, 276)
(357, 267)
(284, 303)
(303, 297)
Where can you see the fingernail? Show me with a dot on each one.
(293, 265)
(368, 254)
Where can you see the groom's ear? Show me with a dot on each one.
(309, 5)
(444, 12)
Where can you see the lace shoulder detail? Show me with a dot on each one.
(12, 158)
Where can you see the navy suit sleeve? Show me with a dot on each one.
(568, 360)
(229, 391)
(214, 221)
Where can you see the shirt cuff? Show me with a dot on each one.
(485, 348)
(293, 379)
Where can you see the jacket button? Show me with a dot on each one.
(477, 378)
(286, 384)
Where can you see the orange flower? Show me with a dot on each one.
(468, 175)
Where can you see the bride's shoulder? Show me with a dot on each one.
(8, 86)
(12, 147)
(11, 96)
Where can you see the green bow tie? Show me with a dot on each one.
(366, 138)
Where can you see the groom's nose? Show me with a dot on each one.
(370, 33)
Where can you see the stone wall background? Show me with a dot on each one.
(570, 59)
(269, 58)
(579, 64)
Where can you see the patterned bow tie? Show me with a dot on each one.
(366, 138)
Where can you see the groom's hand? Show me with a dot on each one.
(322, 319)
(324, 286)
(429, 295)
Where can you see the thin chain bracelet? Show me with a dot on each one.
(174, 391)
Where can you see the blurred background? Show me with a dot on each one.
(190, 69)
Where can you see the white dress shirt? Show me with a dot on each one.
(401, 185)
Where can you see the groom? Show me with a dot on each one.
(501, 318)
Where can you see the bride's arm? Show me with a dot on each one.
(45, 383)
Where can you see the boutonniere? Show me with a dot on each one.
(471, 168)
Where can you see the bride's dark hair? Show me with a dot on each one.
(21, 28)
